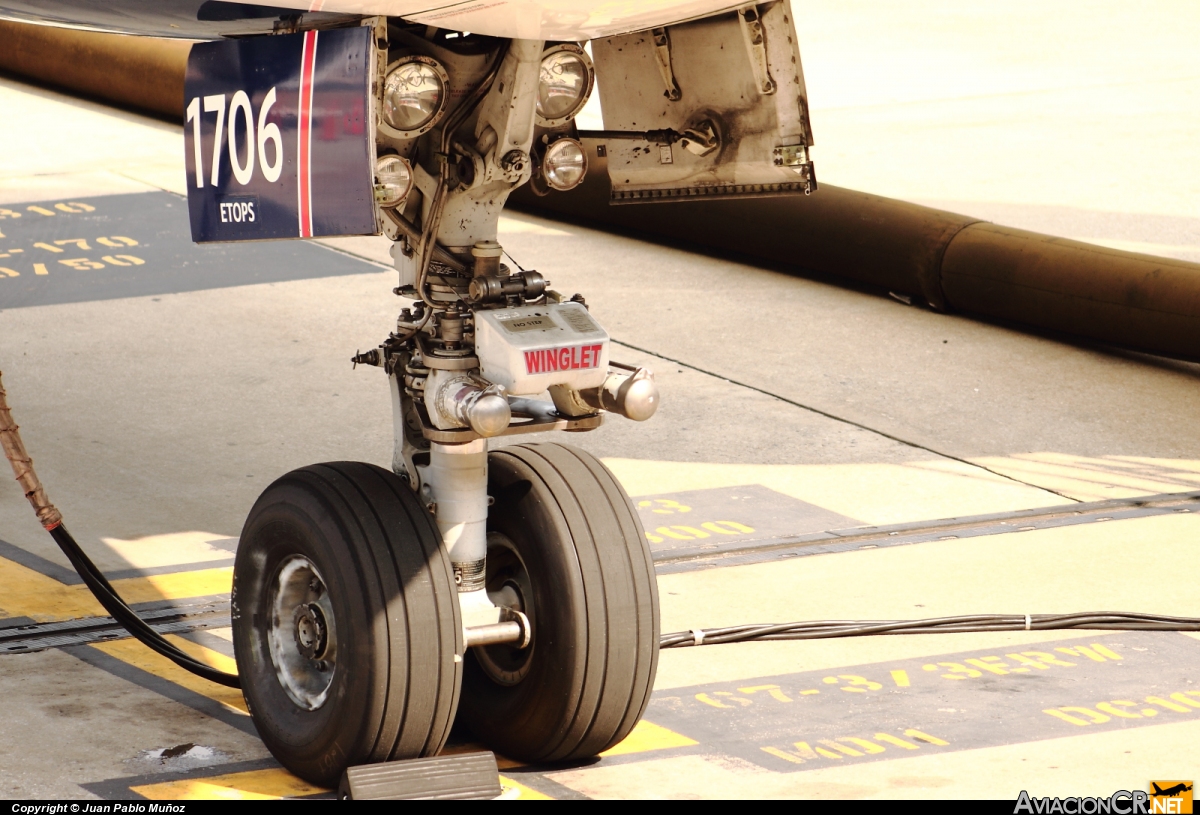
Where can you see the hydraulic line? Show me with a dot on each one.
(428, 246)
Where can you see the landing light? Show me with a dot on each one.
(564, 84)
(414, 95)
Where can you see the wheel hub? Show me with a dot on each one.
(311, 631)
(508, 586)
(302, 634)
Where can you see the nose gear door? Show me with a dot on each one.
(279, 141)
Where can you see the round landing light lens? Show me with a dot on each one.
(564, 84)
(414, 94)
(393, 180)
(564, 165)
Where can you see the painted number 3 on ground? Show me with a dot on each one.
(697, 530)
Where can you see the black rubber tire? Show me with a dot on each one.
(594, 609)
(396, 679)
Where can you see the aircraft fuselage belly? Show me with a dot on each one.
(576, 20)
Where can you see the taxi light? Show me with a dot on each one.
(393, 180)
(564, 165)
(564, 84)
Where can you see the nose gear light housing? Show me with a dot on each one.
(564, 165)
(414, 96)
(393, 180)
(564, 84)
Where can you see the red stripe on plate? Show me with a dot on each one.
(308, 60)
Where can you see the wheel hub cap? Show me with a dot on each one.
(508, 585)
(311, 632)
(302, 634)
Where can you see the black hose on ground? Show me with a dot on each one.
(953, 262)
(105, 594)
(120, 611)
(976, 623)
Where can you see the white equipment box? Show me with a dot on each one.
(530, 348)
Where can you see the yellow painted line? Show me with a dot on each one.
(471, 747)
(923, 490)
(647, 736)
(174, 586)
(278, 783)
(27, 593)
(1117, 564)
(214, 659)
(261, 785)
(266, 785)
(527, 794)
(134, 653)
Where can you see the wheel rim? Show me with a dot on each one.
(508, 584)
(302, 635)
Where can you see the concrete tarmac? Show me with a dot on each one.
(157, 415)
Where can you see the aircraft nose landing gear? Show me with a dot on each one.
(512, 585)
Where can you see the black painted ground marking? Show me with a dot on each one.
(876, 712)
(135, 245)
(947, 703)
(698, 522)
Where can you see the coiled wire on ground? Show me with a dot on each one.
(974, 623)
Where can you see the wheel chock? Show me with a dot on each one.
(466, 776)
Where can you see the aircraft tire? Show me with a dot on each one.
(565, 537)
(345, 551)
